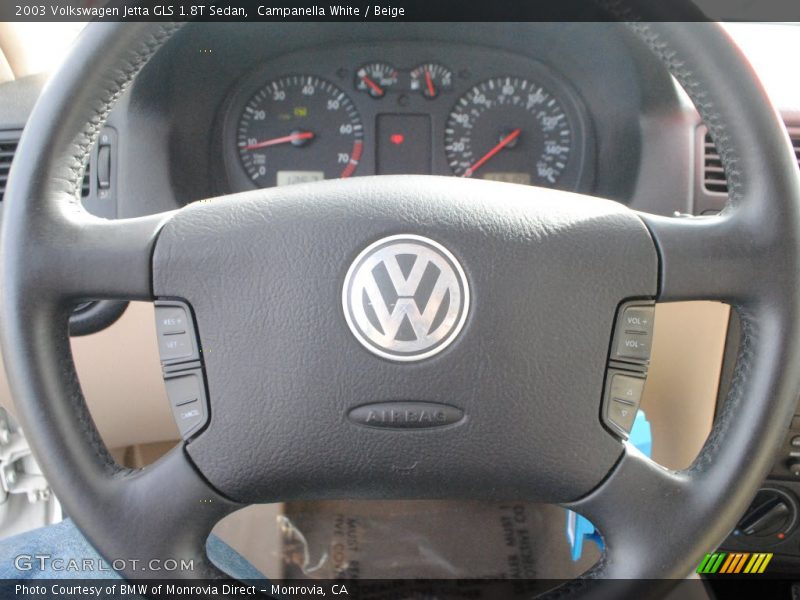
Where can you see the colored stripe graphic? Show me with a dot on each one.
(740, 564)
(702, 567)
(755, 563)
(765, 562)
(734, 563)
(729, 560)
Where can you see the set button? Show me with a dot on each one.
(176, 340)
(176, 347)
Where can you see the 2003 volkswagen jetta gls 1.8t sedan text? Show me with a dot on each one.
(472, 309)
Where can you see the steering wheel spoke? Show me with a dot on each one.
(634, 499)
(165, 513)
(706, 258)
(97, 259)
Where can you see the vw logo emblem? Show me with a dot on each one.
(405, 298)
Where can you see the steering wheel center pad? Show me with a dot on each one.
(263, 272)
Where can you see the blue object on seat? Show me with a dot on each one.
(580, 529)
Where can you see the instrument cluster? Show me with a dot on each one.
(415, 109)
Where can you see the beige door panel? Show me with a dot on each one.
(681, 391)
(120, 373)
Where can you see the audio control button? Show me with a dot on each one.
(623, 395)
(633, 337)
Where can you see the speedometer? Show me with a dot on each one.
(509, 129)
(297, 129)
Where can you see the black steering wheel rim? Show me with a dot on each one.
(747, 257)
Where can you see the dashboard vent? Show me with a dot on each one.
(714, 179)
(8, 147)
(794, 134)
(86, 183)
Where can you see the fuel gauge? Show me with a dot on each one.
(431, 79)
(376, 79)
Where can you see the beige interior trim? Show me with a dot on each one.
(6, 74)
(681, 391)
(32, 47)
(121, 376)
(13, 51)
(120, 373)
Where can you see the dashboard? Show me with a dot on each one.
(229, 108)
(427, 109)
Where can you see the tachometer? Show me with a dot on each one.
(509, 129)
(299, 128)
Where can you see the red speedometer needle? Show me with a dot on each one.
(372, 85)
(486, 157)
(287, 139)
(429, 82)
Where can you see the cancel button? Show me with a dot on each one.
(405, 415)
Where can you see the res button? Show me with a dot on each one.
(171, 319)
(175, 330)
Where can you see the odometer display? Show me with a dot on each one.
(509, 128)
(299, 122)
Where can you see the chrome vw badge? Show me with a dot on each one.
(405, 298)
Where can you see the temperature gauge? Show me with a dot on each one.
(376, 79)
(431, 80)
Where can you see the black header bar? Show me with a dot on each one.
(397, 10)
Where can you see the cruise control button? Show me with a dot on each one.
(171, 319)
(174, 347)
(188, 417)
(186, 393)
(175, 329)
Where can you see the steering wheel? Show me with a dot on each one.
(539, 277)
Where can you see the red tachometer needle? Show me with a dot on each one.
(372, 85)
(486, 157)
(429, 82)
(302, 135)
